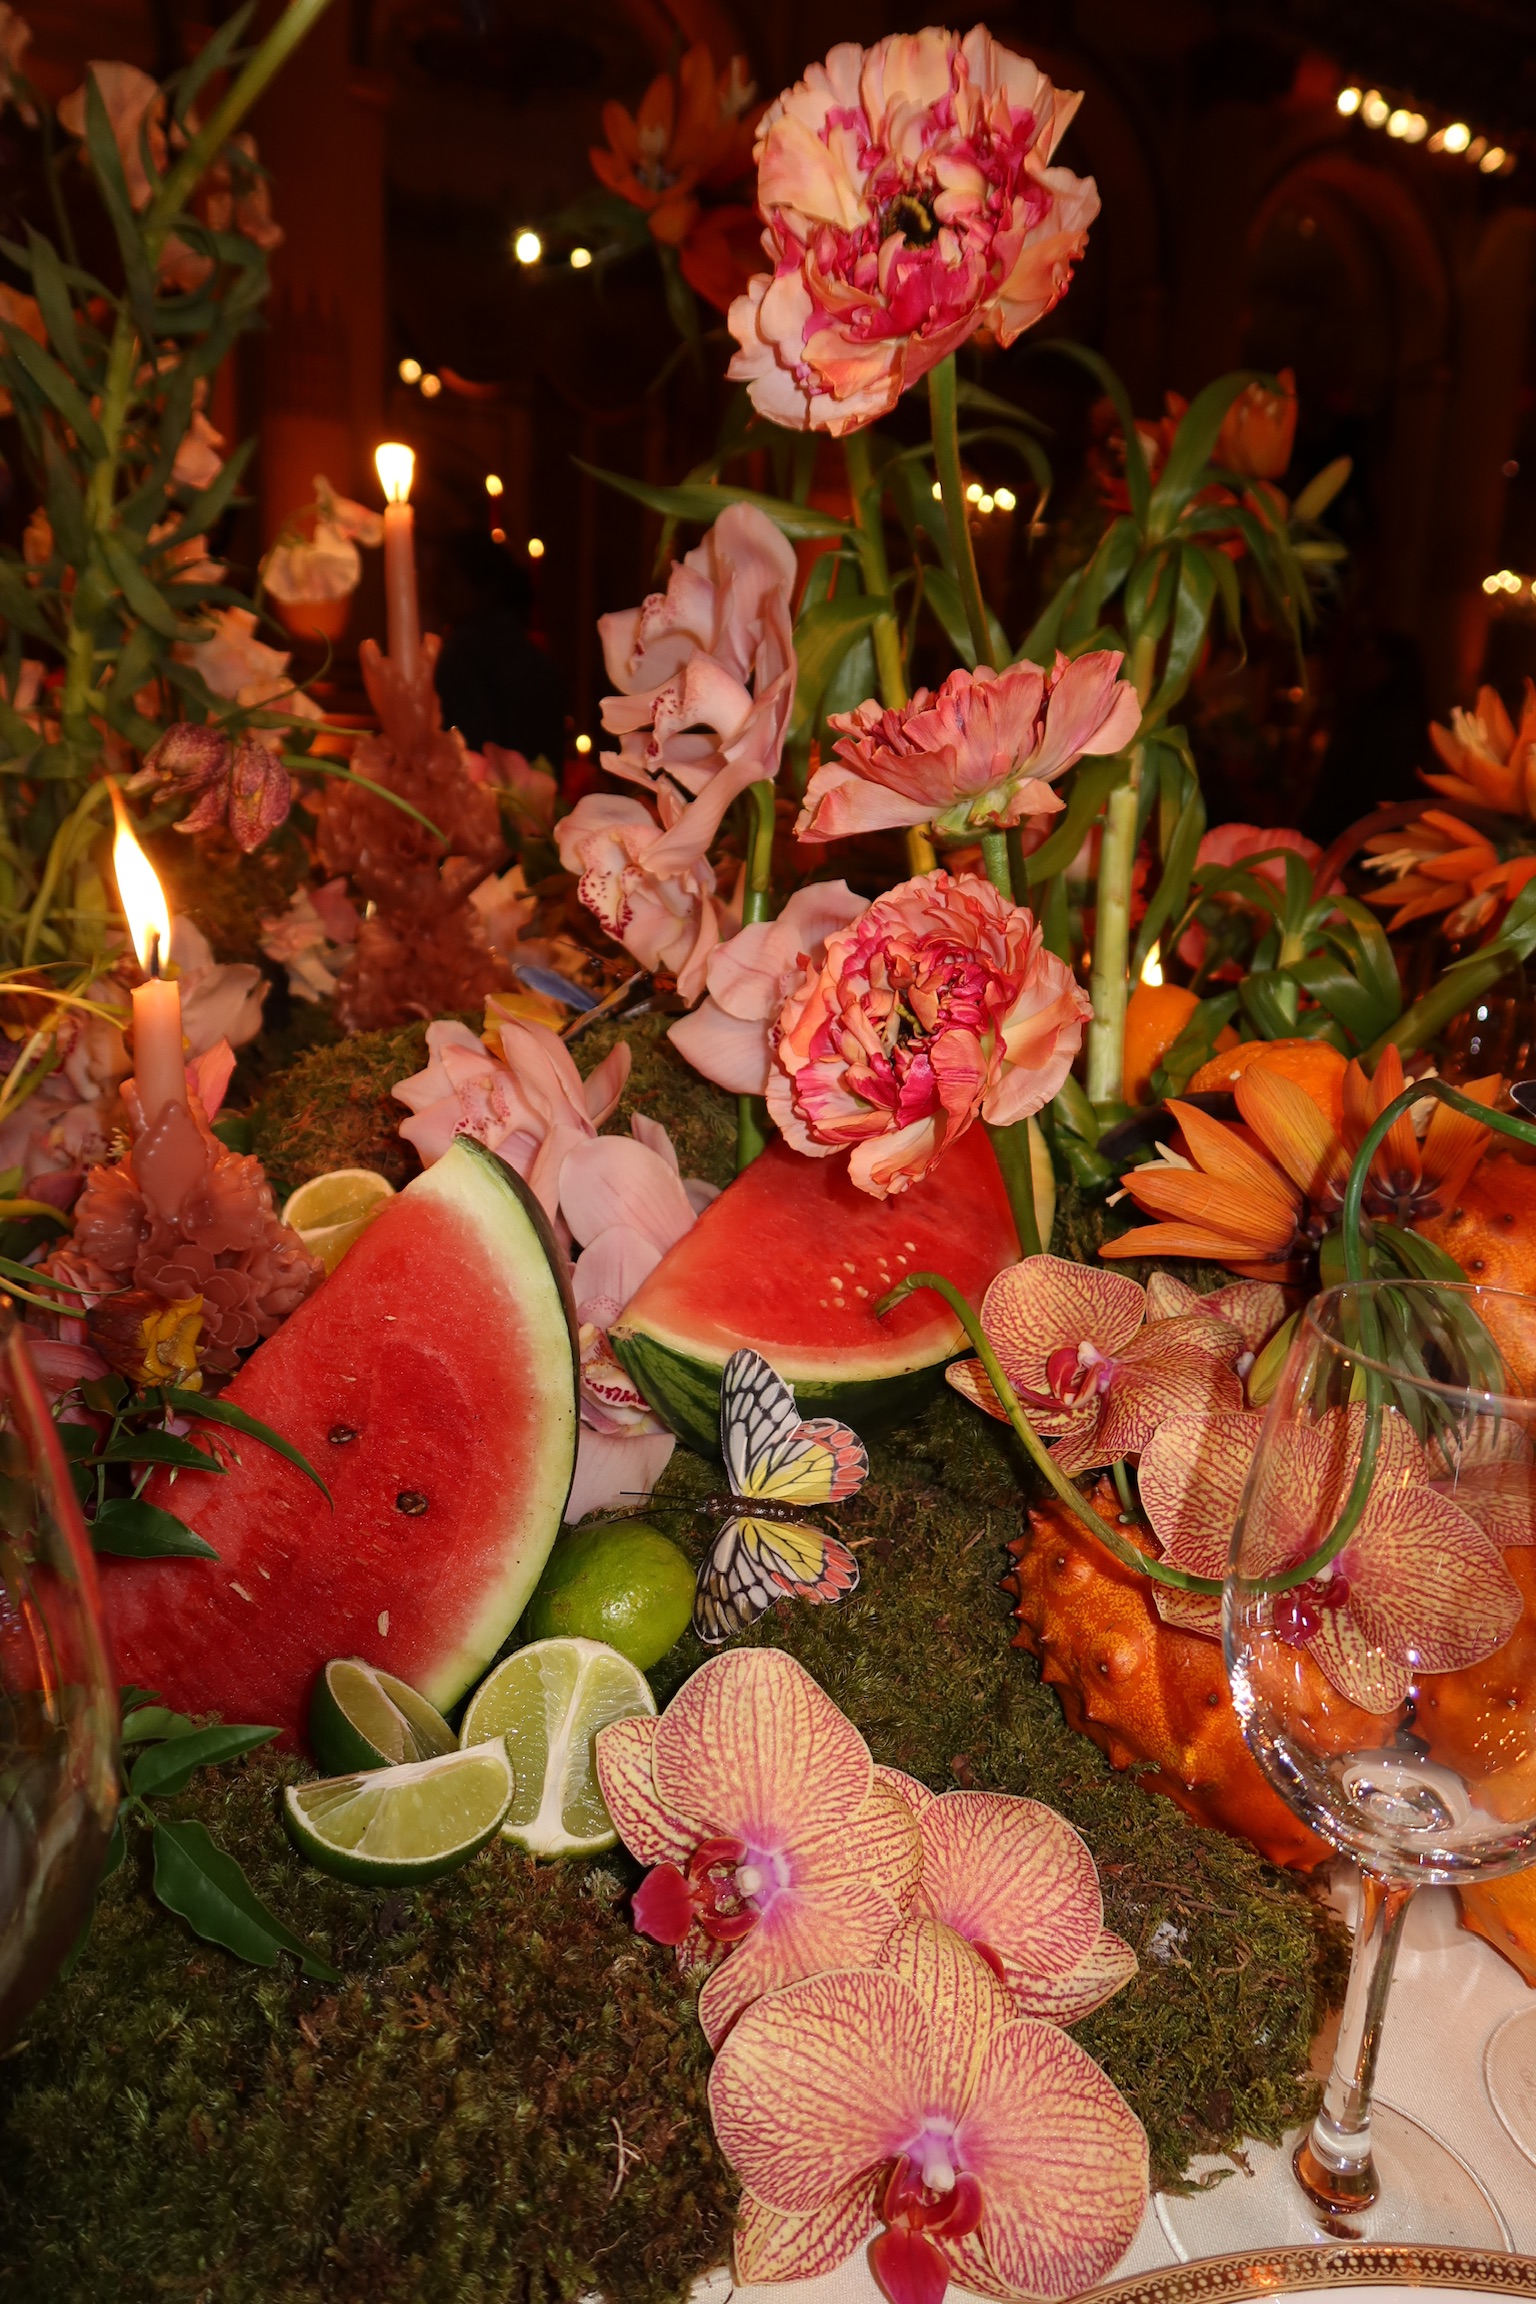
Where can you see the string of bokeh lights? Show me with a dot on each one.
(1373, 110)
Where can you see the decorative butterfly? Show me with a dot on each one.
(777, 1465)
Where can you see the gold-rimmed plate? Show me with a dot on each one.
(1333, 2270)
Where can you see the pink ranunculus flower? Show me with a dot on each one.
(749, 979)
(706, 679)
(980, 755)
(1237, 844)
(910, 204)
(669, 919)
(527, 1102)
(938, 1006)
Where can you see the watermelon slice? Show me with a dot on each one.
(792, 1259)
(431, 1381)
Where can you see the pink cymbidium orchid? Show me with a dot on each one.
(1016, 1881)
(1418, 1587)
(988, 2146)
(728, 1038)
(669, 920)
(1090, 1372)
(767, 1827)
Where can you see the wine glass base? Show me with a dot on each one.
(1427, 2194)
(1509, 2072)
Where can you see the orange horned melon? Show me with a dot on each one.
(1491, 1232)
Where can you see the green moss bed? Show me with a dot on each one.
(502, 2102)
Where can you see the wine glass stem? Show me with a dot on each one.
(1333, 2161)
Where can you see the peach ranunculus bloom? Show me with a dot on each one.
(980, 755)
(938, 1006)
(728, 1038)
(910, 204)
(669, 921)
(706, 674)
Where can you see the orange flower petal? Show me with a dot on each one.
(1454, 1144)
(1288, 1123)
(1250, 1223)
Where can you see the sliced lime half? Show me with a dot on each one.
(395, 1826)
(360, 1717)
(544, 1706)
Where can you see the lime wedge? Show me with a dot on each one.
(330, 1212)
(396, 1826)
(546, 1705)
(360, 1717)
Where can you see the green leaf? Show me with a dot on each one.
(1137, 479)
(1268, 996)
(1185, 472)
(942, 594)
(212, 57)
(1092, 784)
(992, 404)
(1191, 622)
(1173, 888)
(142, 596)
(204, 1886)
(225, 1412)
(158, 1448)
(210, 504)
(171, 1766)
(1194, 1045)
(134, 1530)
(57, 387)
(107, 167)
(52, 293)
(705, 504)
(823, 635)
(1320, 491)
(151, 1723)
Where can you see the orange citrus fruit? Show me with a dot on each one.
(1314, 1065)
(1154, 1018)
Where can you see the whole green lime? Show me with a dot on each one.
(620, 1581)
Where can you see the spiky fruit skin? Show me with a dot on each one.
(1480, 1720)
(1152, 1697)
(1491, 1232)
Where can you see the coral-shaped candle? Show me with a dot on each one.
(420, 949)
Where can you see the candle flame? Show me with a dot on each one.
(1152, 966)
(396, 465)
(142, 897)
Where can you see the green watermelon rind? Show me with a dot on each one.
(683, 1388)
(519, 1239)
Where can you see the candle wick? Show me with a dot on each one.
(153, 966)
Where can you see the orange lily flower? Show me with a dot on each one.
(1259, 1198)
(695, 131)
(1492, 763)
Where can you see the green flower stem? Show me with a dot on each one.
(943, 415)
(757, 905)
(1039, 1455)
(864, 489)
(1011, 1146)
(751, 1134)
(1109, 983)
(295, 24)
(1456, 990)
(997, 862)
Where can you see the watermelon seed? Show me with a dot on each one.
(412, 1502)
(340, 1434)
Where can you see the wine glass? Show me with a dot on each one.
(1380, 1628)
(58, 1704)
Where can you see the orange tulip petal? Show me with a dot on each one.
(1012, 1875)
(1222, 1153)
(648, 1830)
(1105, 1968)
(1454, 1144)
(1061, 2160)
(1202, 1241)
(821, 2084)
(751, 1747)
(1035, 1307)
(777, 2244)
(1288, 1123)
(962, 1996)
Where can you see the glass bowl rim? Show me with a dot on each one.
(1521, 1404)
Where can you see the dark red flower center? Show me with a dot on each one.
(905, 2258)
(669, 1902)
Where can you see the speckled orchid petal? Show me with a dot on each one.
(652, 1835)
(882, 1844)
(1501, 1498)
(1192, 1475)
(970, 1379)
(1035, 1307)
(820, 2085)
(1427, 1592)
(781, 2244)
(833, 1919)
(1013, 1876)
(751, 1746)
(1061, 2160)
(1198, 1612)
(1106, 1967)
(917, 1796)
(1176, 1368)
(965, 2001)
(1255, 1308)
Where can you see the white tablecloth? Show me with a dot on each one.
(1450, 1993)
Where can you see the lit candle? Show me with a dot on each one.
(158, 1065)
(396, 467)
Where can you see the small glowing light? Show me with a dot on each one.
(1510, 467)
(1374, 109)
(1511, 162)
(937, 492)
(498, 535)
(583, 745)
(143, 899)
(973, 493)
(1399, 122)
(1477, 148)
(1482, 1015)
(1492, 159)
(535, 547)
(1491, 584)
(985, 503)
(1348, 101)
(1457, 137)
(1417, 128)
(1152, 966)
(396, 468)
(1004, 499)
(493, 484)
(410, 371)
(431, 386)
(527, 247)
(580, 259)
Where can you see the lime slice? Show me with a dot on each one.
(399, 1825)
(330, 1212)
(360, 1717)
(547, 1704)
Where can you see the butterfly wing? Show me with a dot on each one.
(755, 1562)
(770, 1453)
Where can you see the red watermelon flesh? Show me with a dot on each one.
(792, 1260)
(444, 1342)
